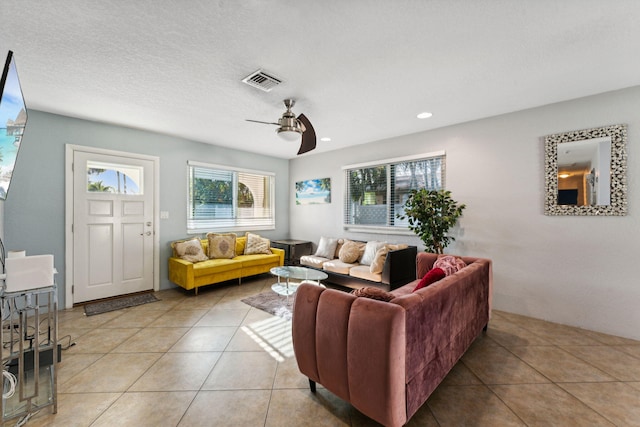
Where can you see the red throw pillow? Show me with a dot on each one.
(432, 276)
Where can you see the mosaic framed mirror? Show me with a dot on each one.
(586, 172)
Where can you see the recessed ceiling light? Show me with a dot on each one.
(424, 115)
(325, 139)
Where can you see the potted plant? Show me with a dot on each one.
(431, 213)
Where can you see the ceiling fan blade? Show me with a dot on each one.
(265, 123)
(308, 136)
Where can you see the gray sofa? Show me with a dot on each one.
(397, 268)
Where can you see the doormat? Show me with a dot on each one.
(272, 303)
(118, 303)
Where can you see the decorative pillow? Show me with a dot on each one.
(351, 251)
(257, 245)
(373, 293)
(449, 264)
(378, 261)
(397, 247)
(221, 245)
(370, 252)
(327, 247)
(190, 250)
(339, 246)
(432, 276)
(241, 243)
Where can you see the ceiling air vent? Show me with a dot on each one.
(262, 81)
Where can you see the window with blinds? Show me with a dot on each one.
(220, 198)
(376, 192)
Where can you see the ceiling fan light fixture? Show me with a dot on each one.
(289, 133)
(295, 129)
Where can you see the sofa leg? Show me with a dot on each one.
(312, 385)
(485, 328)
(195, 290)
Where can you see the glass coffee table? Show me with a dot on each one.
(288, 272)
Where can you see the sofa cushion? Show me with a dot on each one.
(364, 272)
(432, 276)
(257, 259)
(241, 242)
(190, 250)
(351, 251)
(373, 293)
(221, 245)
(370, 252)
(449, 264)
(213, 266)
(381, 256)
(256, 245)
(327, 247)
(337, 266)
(339, 246)
(313, 261)
(395, 247)
(379, 259)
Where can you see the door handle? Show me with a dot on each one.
(148, 233)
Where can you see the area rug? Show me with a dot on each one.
(118, 303)
(272, 303)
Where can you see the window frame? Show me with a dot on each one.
(389, 226)
(236, 222)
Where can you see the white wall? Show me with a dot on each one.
(578, 271)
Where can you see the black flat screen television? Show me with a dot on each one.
(568, 197)
(13, 120)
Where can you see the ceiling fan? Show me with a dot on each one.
(290, 128)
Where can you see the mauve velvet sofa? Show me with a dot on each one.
(386, 358)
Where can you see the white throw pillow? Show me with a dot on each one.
(370, 252)
(327, 247)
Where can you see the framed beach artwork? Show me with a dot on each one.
(313, 191)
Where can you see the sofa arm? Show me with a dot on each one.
(355, 348)
(443, 319)
(425, 261)
(279, 252)
(399, 267)
(181, 272)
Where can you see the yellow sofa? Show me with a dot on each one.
(191, 275)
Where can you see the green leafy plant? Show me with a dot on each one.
(431, 213)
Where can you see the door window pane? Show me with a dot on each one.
(114, 178)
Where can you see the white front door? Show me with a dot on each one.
(113, 230)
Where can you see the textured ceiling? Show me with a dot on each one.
(359, 70)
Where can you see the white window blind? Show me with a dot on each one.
(220, 198)
(376, 192)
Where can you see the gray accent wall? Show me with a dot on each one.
(34, 212)
(579, 271)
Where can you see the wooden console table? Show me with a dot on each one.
(293, 250)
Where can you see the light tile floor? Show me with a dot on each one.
(211, 360)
